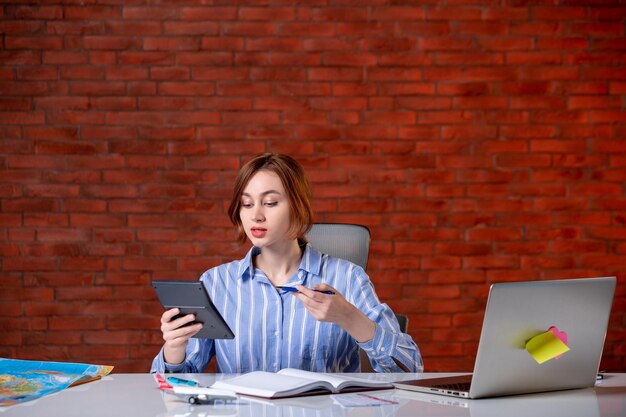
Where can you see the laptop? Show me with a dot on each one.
(519, 311)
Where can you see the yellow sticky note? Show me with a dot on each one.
(545, 346)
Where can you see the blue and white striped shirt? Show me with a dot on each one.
(273, 330)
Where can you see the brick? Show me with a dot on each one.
(121, 43)
(505, 13)
(503, 43)
(561, 43)
(204, 13)
(444, 43)
(334, 74)
(170, 73)
(51, 190)
(29, 264)
(113, 103)
(92, 12)
(607, 13)
(604, 73)
(45, 219)
(597, 29)
(188, 28)
(409, 89)
(451, 306)
(103, 88)
(257, 30)
(332, 14)
(388, 45)
(608, 116)
(222, 44)
(270, 14)
(37, 73)
(147, 58)
(384, 118)
(307, 29)
(533, 58)
(180, 43)
(455, 58)
(569, 146)
(536, 102)
(14, 42)
(126, 73)
(21, 26)
(481, 28)
(591, 58)
(23, 88)
(134, 118)
(76, 27)
(14, 103)
(205, 58)
(149, 264)
(82, 72)
(348, 59)
(103, 57)
(296, 59)
(64, 58)
(35, 12)
(75, 117)
(327, 44)
(612, 43)
(278, 74)
(398, 13)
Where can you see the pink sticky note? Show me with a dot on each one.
(562, 336)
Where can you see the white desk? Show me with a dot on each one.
(136, 395)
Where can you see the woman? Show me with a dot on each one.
(321, 327)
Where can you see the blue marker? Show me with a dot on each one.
(293, 289)
(180, 381)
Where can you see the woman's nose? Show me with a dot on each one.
(257, 213)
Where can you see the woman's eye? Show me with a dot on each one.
(246, 205)
(271, 203)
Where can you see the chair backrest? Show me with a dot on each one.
(345, 241)
(350, 242)
(403, 321)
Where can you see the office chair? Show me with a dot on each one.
(350, 242)
(345, 241)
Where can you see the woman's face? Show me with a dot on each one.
(265, 209)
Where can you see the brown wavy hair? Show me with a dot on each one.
(296, 186)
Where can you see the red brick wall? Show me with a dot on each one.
(480, 141)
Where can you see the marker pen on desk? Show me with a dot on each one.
(180, 381)
(211, 399)
(293, 289)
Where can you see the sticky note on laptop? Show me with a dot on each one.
(548, 345)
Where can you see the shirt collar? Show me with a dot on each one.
(311, 262)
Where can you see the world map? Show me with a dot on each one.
(22, 381)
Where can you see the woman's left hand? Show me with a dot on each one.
(336, 309)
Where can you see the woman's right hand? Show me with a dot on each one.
(176, 334)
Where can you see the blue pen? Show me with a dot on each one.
(180, 381)
(293, 289)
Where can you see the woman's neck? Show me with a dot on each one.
(279, 263)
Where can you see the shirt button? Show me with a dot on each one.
(276, 333)
(382, 349)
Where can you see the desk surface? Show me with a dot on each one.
(137, 395)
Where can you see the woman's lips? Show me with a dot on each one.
(258, 232)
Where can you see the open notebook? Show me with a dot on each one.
(291, 382)
(517, 315)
